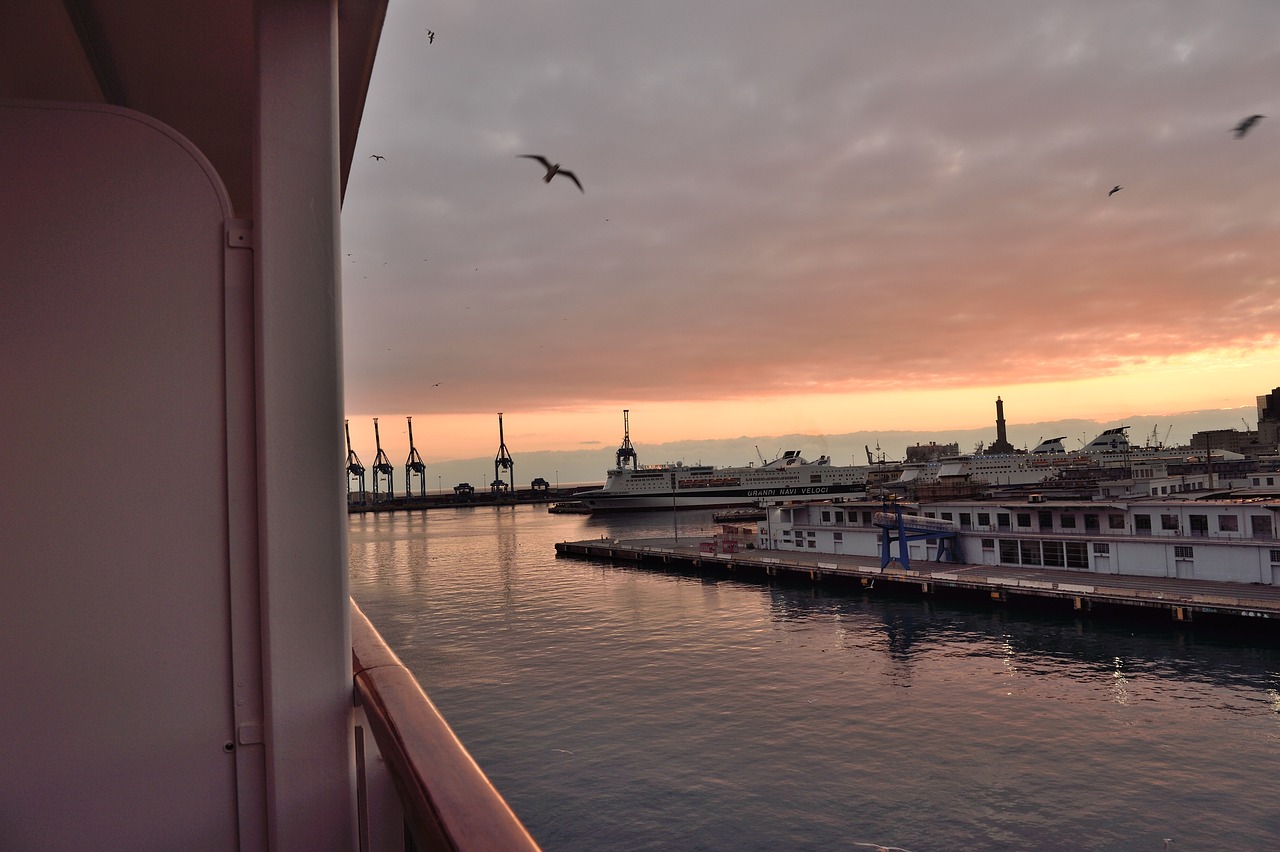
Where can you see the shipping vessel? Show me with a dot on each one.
(681, 486)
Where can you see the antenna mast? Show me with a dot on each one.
(414, 465)
(381, 466)
(355, 470)
(503, 461)
(626, 451)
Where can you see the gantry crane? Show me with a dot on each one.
(626, 451)
(354, 468)
(381, 466)
(503, 461)
(414, 464)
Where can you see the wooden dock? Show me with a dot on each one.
(1182, 600)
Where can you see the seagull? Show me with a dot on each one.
(431, 36)
(1243, 127)
(1114, 190)
(554, 169)
(376, 157)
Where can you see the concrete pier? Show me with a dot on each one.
(1181, 600)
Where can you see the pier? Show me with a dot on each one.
(1180, 601)
(452, 500)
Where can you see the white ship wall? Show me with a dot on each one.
(1239, 544)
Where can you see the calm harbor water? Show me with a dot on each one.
(628, 708)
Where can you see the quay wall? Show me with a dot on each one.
(1165, 600)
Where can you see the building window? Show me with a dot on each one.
(1115, 522)
(966, 520)
(1068, 522)
(839, 517)
(1181, 551)
(1030, 552)
(984, 519)
(1168, 522)
(1077, 556)
(1142, 524)
(1199, 525)
(1002, 520)
(826, 517)
(990, 543)
(1024, 519)
(1053, 554)
(812, 543)
(1091, 523)
(1275, 555)
(838, 536)
(866, 517)
(946, 516)
(928, 514)
(1103, 547)
(1008, 551)
(1228, 523)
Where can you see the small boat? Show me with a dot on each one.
(732, 516)
(569, 507)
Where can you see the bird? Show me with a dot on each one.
(431, 36)
(1243, 127)
(376, 157)
(1114, 190)
(554, 169)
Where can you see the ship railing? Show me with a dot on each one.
(417, 786)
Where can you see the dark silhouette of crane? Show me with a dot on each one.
(381, 466)
(355, 470)
(503, 461)
(414, 465)
(626, 452)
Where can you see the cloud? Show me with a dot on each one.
(846, 196)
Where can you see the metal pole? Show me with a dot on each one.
(675, 529)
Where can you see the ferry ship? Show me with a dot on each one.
(789, 477)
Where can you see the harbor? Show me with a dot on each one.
(1172, 599)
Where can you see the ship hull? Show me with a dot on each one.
(605, 501)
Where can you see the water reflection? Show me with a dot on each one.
(625, 707)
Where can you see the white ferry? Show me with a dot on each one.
(667, 486)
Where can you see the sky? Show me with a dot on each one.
(811, 216)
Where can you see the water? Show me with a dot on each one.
(618, 707)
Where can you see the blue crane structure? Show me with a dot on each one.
(904, 529)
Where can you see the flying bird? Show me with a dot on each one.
(431, 36)
(554, 169)
(1244, 126)
(376, 157)
(1114, 190)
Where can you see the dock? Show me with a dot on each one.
(1178, 600)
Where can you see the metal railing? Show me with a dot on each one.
(446, 800)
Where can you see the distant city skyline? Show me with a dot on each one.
(589, 461)
(808, 218)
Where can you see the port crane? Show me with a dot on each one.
(626, 452)
(503, 461)
(381, 466)
(355, 470)
(414, 465)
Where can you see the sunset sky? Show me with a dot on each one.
(806, 216)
